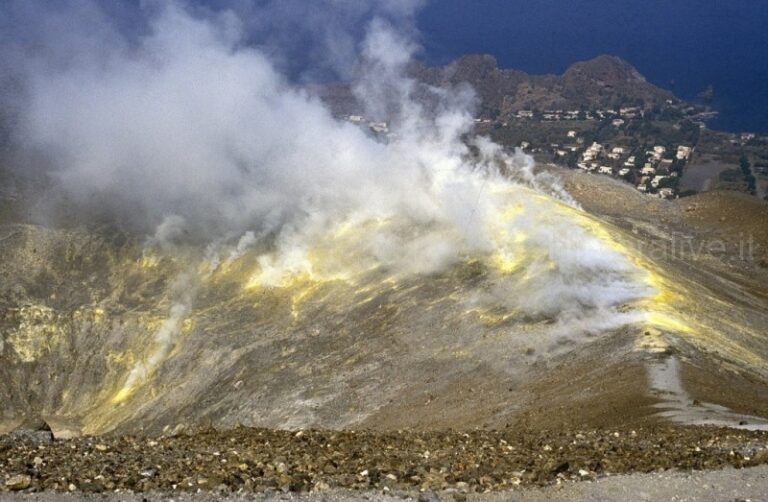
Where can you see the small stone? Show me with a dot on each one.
(71, 487)
(35, 431)
(462, 486)
(583, 473)
(321, 486)
(37, 461)
(101, 447)
(18, 482)
(364, 473)
(148, 473)
(391, 477)
(761, 457)
(429, 497)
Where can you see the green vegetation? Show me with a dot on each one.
(731, 176)
(746, 170)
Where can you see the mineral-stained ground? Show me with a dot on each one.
(133, 368)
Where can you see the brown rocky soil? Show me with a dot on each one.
(252, 460)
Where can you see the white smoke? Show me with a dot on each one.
(189, 128)
(182, 294)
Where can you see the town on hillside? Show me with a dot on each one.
(667, 152)
(601, 116)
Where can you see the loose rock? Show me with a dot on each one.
(18, 482)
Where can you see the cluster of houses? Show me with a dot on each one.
(653, 168)
(619, 116)
(743, 138)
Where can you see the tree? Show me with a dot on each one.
(746, 170)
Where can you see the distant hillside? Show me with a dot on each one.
(605, 81)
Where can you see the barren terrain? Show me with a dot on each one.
(79, 307)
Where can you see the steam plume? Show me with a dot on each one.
(187, 126)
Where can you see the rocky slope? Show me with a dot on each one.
(101, 333)
(602, 82)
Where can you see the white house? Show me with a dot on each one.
(656, 180)
(666, 193)
(747, 136)
(683, 152)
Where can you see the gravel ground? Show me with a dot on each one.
(245, 460)
(727, 484)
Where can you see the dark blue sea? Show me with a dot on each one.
(681, 45)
